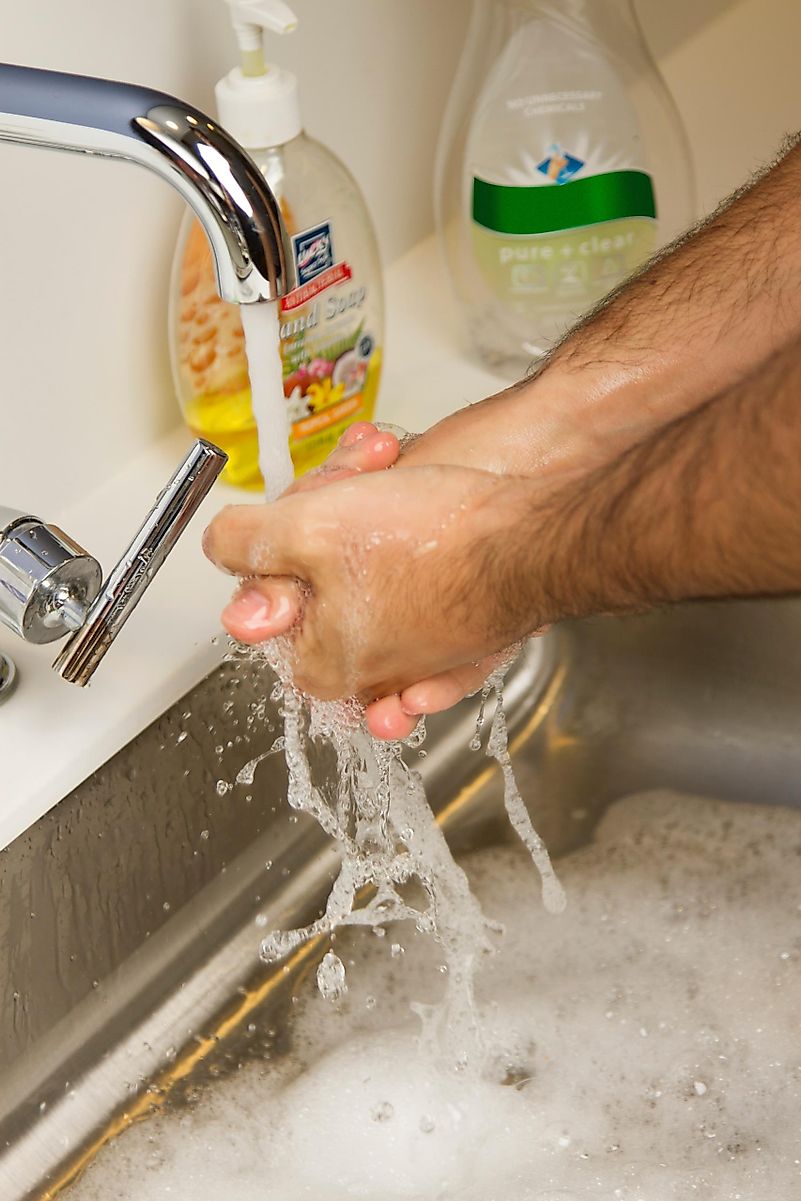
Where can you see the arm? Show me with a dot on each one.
(414, 572)
(708, 507)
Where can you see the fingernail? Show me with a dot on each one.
(249, 609)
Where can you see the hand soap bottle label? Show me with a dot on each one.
(559, 198)
(331, 359)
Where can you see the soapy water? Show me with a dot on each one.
(646, 1043)
(396, 865)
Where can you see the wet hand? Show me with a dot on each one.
(411, 575)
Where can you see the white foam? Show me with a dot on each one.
(677, 963)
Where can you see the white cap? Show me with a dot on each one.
(262, 107)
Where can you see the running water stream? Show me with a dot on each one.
(260, 323)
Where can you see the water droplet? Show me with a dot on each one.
(331, 977)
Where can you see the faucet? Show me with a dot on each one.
(50, 586)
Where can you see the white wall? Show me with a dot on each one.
(85, 370)
(732, 66)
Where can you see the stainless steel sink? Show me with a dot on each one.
(130, 967)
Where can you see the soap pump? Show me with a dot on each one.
(331, 325)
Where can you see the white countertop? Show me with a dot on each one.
(53, 734)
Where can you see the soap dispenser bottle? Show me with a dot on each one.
(562, 166)
(331, 325)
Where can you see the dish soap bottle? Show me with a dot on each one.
(331, 325)
(562, 166)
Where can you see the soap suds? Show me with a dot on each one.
(676, 965)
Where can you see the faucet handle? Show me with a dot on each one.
(122, 591)
(47, 581)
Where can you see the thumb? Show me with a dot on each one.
(263, 609)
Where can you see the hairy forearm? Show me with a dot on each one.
(706, 310)
(710, 506)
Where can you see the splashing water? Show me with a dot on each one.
(260, 323)
(395, 862)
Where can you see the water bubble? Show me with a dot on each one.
(427, 1124)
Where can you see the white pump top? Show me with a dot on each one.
(257, 103)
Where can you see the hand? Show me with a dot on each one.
(253, 620)
(411, 573)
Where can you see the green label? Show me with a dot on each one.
(573, 268)
(508, 209)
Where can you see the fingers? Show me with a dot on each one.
(263, 609)
(448, 688)
(396, 716)
(386, 719)
(247, 540)
(361, 448)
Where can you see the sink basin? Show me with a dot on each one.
(128, 913)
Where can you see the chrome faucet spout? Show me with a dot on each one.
(184, 146)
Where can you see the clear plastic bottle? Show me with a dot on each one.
(331, 326)
(562, 166)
